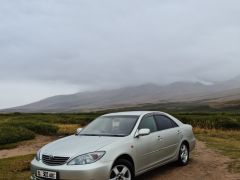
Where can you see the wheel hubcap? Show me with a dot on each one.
(120, 172)
(184, 153)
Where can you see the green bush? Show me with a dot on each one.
(50, 118)
(229, 124)
(211, 121)
(85, 122)
(37, 127)
(14, 134)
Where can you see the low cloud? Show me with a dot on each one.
(104, 44)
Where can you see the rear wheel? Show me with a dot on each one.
(122, 170)
(183, 156)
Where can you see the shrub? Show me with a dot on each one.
(214, 121)
(37, 127)
(14, 134)
(67, 129)
(229, 124)
(85, 122)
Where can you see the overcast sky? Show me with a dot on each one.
(50, 47)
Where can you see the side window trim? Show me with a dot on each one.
(174, 125)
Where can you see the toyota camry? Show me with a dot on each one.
(116, 146)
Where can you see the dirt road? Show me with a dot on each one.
(27, 147)
(205, 164)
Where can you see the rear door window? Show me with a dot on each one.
(163, 122)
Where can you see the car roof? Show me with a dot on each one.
(131, 113)
(142, 113)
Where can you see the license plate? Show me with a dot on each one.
(46, 174)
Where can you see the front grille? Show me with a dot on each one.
(54, 160)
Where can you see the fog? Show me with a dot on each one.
(51, 47)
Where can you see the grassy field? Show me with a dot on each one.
(15, 168)
(225, 142)
(220, 131)
(17, 127)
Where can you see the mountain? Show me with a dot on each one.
(130, 96)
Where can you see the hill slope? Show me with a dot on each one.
(130, 96)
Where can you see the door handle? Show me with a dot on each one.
(178, 131)
(160, 138)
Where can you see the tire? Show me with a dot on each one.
(183, 156)
(122, 168)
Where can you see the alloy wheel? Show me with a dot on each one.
(120, 172)
(184, 153)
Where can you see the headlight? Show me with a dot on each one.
(87, 158)
(38, 156)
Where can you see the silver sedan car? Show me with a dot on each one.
(116, 146)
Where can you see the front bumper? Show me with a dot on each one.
(95, 171)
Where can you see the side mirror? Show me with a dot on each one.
(78, 130)
(143, 132)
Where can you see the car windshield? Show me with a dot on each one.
(110, 126)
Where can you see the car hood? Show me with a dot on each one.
(72, 146)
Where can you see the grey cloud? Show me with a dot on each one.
(116, 43)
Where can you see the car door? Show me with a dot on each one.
(146, 146)
(169, 136)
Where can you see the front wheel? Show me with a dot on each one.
(122, 170)
(183, 156)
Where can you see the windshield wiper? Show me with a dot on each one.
(89, 134)
(114, 135)
(117, 135)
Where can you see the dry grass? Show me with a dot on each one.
(67, 129)
(15, 168)
(225, 142)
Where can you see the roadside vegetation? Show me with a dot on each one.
(67, 129)
(10, 134)
(219, 129)
(15, 168)
(224, 120)
(16, 127)
(36, 127)
(225, 142)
